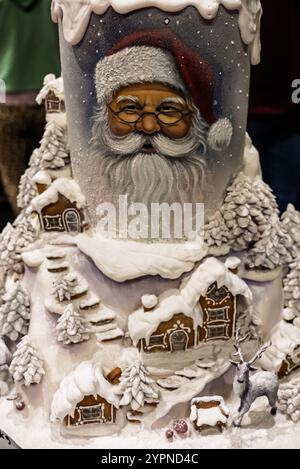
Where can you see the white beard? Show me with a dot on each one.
(175, 173)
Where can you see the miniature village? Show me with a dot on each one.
(106, 369)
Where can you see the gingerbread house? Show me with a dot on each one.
(204, 309)
(283, 356)
(52, 94)
(85, 397)
(60, 206)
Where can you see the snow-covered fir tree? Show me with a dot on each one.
(274, 249)
(54, 146)
(71, 327)
(292, 288)
(27, 366)
(289, 398)
(14, 238)
(27, 188)
(14, 312)
(290, 219)
(63, 287)
(216, 233)
(247, 210)
(137, 388)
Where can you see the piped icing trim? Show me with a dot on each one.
(75, 15)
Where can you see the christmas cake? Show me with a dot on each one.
(149, 254)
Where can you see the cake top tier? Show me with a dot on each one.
(76, 14)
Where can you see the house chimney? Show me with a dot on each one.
(114, 376)
(233, 264)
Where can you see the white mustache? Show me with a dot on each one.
(133, 143)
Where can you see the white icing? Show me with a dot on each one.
(252, 167)
(285, 339)
(75, 15)
(142, 325)
(51, 84)
(33, 259)
(233, 262)
(64, 186)
(149, 301)
(86, 380)
(124, 260)
(42, 177)
(210, 416)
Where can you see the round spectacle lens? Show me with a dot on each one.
(170, 118)
(165, 118)
(129, 117)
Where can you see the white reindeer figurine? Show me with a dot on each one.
(249, 388)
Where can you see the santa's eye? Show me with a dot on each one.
(168, 109)
(130, 108)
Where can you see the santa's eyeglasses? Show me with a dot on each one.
(163, 117)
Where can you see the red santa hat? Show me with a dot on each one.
(159, 56)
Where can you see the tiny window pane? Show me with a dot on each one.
(156, 340)
(216, 331)
(92, 413)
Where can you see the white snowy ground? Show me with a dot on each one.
(260, 430)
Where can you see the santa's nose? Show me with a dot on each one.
(148, 124)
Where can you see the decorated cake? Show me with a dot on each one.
(149, 256)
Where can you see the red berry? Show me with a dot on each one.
(169, 434)
(180, 426)
(20, 405)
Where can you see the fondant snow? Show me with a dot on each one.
(66, 187)
(86, 380)
(76, 15)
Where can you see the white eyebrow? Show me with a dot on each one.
(173, 100)
(134, 99)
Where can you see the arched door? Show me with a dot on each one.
(72, 220)
(178, 341)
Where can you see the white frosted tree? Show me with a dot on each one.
(289, 399)
(54, 146)
(71, 327)
(274, 249)
(247, 210)
(27, 188)
(216, 233)
(14, 312)
(14, 238)
(290, 220)
(137, 388)
(63, 287)
(27, 366)
(292, 288)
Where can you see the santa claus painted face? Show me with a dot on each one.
(149, 138)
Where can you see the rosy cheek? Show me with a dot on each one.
(119, 129)
(177, 131)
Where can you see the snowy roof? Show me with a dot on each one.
(51, 83)
(210, 271)
(210, 416)
(285, 338)
(87, 379)
(64, 186)
(42, 177)
(142, 324)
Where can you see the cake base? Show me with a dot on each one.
(259, 430)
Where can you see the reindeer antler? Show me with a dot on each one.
(238, 341)
(259, 352)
